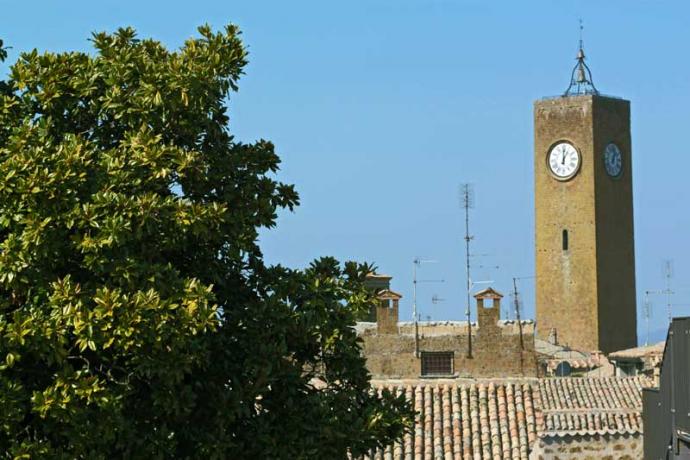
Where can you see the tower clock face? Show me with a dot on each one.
(613, 160)
(563, 160)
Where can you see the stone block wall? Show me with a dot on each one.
(393, 350)
(585, 291)
(387, 316)
(495, 351)
(589, 447)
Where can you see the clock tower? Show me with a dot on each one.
(585, 255)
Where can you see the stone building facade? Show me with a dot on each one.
(585, 258)
(402, 350)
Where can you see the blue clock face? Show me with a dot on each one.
(613, 160)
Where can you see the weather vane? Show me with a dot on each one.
(581, 77)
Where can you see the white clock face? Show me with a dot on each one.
(564, 160)
(613, 160)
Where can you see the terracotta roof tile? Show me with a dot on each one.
(591, 405)
(640, 352)
(472, 421)
(502, 420)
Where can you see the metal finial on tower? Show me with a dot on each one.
(581, 77)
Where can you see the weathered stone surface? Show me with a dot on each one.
(587, 292)
(496, 352)
(594, 447)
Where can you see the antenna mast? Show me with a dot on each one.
(417, 262)
(668, 274)
(517, 313)
(467, 202)
(519, 322)
(647, 314)
(668, 292)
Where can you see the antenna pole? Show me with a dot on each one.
(646, 316)
(414, 307)
(414, 290)
(467, 271)
(517, 312)
(517, 315)
(668, 273)
(418, 262)
(467, 204)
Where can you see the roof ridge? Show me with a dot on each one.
(591, 410)
(502, 418)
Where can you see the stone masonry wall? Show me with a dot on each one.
(495, 349)
(387, 316)
(589, 447)
(585, 291)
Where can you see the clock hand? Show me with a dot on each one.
(563, 159)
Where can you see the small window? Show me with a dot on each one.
(565, 240)
(437, 363)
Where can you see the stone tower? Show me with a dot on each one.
(585, 257)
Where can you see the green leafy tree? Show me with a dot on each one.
(137, 316)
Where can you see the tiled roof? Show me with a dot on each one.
(502, 420)
(474, 421)
(591, 405)
(640, 352)
(388, 294)
(488, 293)
(558, 351)
(590, 362)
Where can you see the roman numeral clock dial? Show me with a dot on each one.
(563, 161)
(613, 160)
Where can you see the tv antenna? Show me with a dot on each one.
(467, 203)
(667, 269)
(647, 312)
(435, 299)
(516, 300)
(485, 267)
(668, 274)
(417, 262)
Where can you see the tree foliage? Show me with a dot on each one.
(137, 316)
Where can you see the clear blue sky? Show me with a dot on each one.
(381, 108)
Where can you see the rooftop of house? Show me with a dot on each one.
(504, 418)
(578, 360)
(654, 350)
(558, 351)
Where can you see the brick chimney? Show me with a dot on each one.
(386, 311)
(488, 315)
